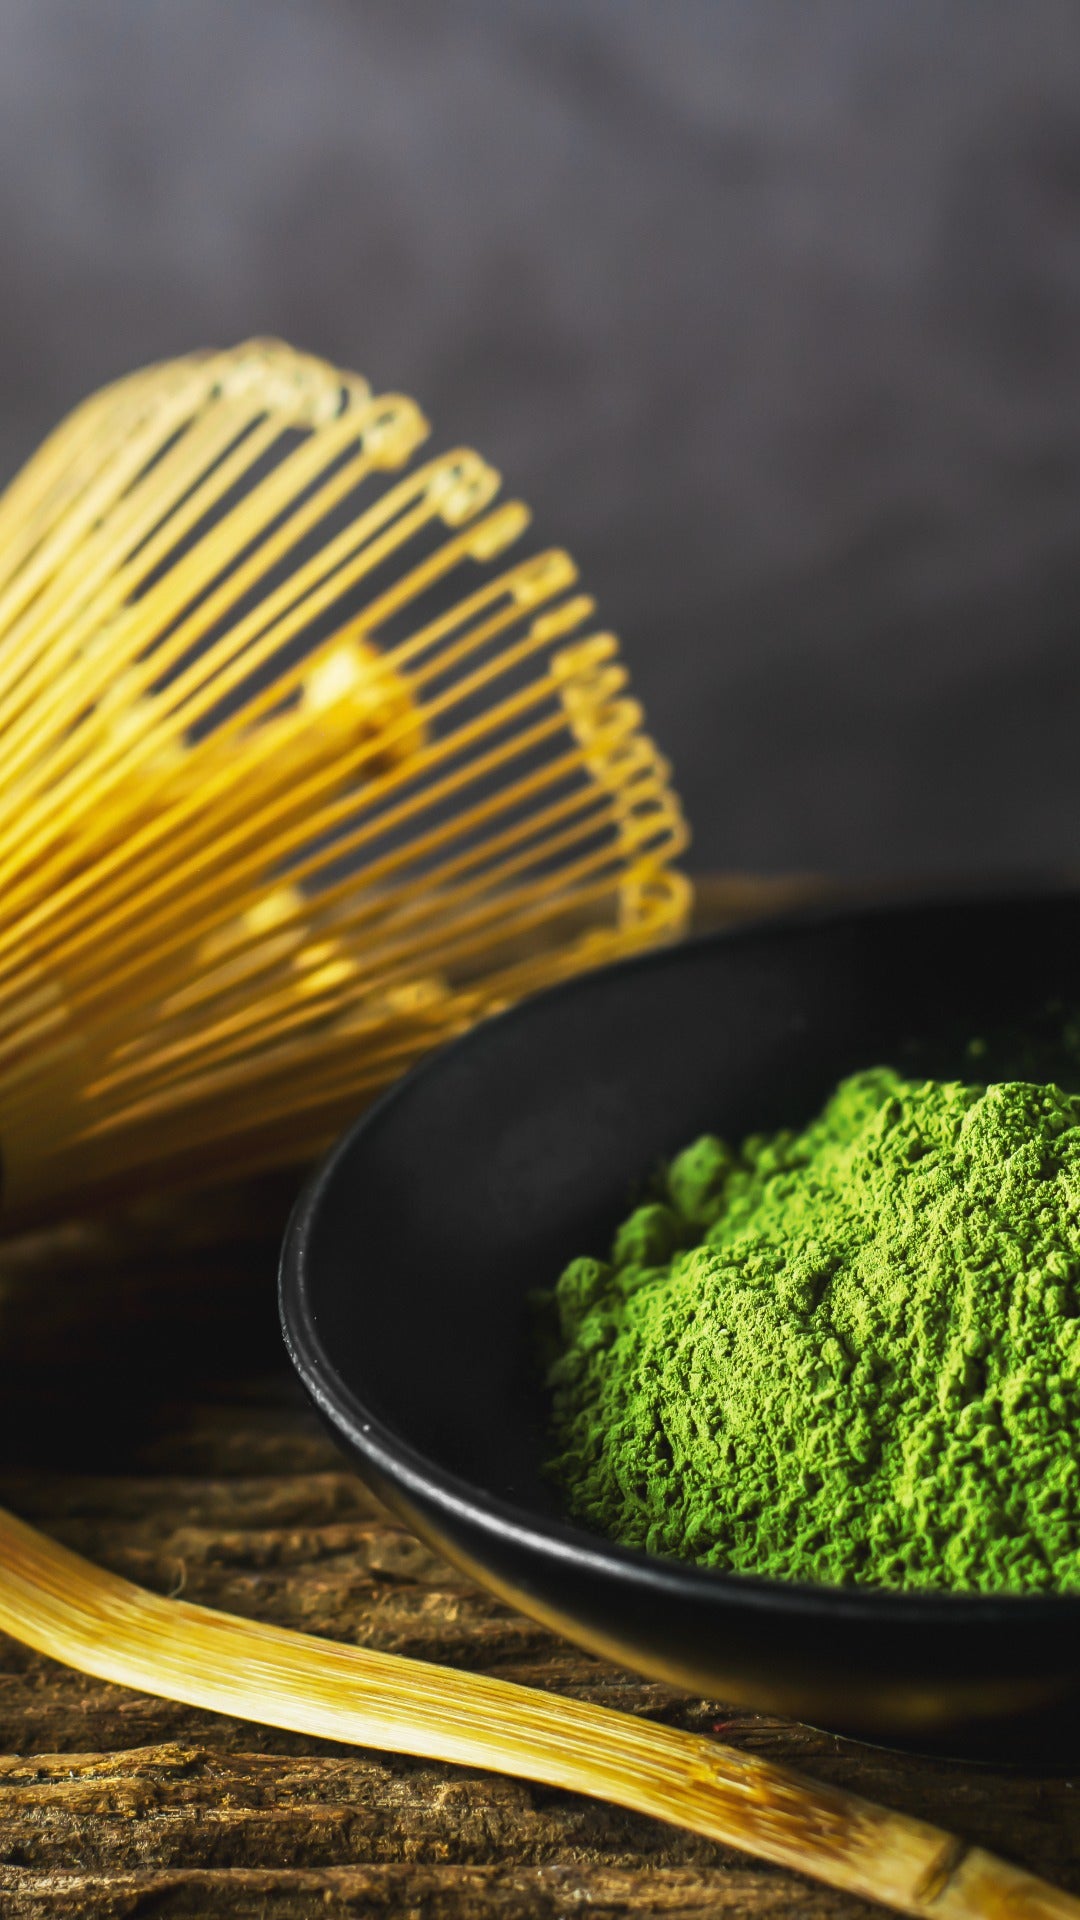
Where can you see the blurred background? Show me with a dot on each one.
(771, 311)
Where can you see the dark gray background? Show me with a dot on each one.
(771, 310)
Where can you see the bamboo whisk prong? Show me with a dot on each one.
(57, 1603)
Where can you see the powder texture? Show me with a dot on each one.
(847, 1354)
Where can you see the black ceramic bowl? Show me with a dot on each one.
(409, 1259)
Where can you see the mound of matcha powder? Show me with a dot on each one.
(847, 1354)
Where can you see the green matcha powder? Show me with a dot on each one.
(848, 1354)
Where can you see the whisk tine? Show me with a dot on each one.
(295, 778)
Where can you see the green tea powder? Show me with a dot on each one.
(847, 1354)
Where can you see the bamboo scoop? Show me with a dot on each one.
(64, 1607)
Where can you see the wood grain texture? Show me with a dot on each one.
(148, 1419)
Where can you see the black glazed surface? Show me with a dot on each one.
(409, 1260)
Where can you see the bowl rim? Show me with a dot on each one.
(395, 1460)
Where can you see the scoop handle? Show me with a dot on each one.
(64, 1607)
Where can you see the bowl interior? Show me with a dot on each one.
(477, 1178)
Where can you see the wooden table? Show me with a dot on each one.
(148, 1419)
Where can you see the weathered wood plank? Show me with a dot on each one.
(172, 1805)
(404, 1891)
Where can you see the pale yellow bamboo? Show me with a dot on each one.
(94, 562)
(39, 878)
(264, 835)
(57, 1603)
(118, 464)
(430, 895)
(252, 516)
(76, 620)
(497, 925)
(296, 1007)
(333, 773)
(210, 669)
(262, 841)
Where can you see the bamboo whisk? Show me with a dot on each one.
(296, 777)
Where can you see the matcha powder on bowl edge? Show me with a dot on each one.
(847, 1354)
